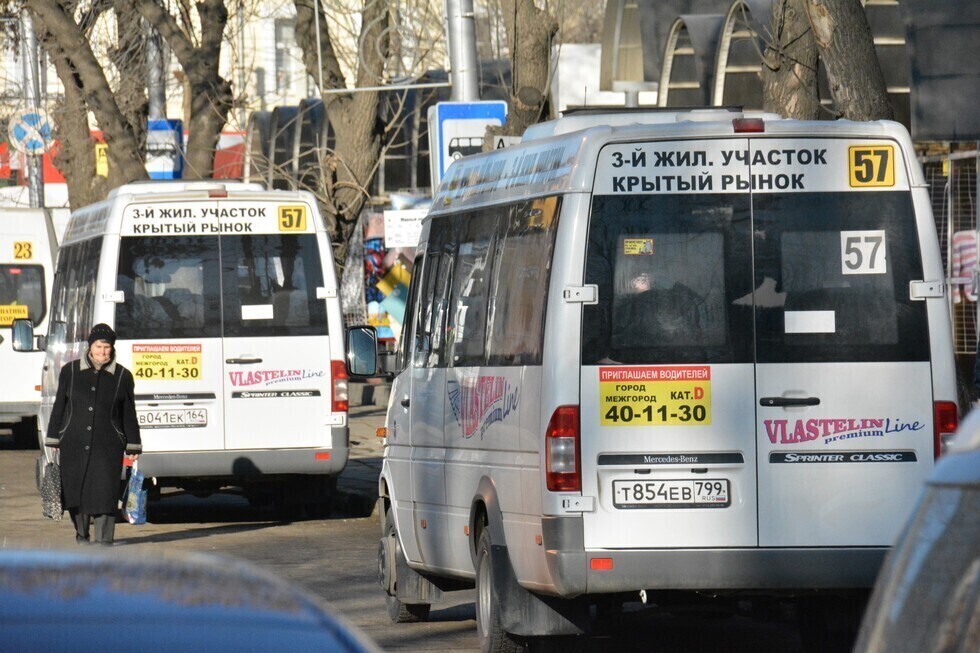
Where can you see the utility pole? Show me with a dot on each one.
(32, 97)
(464, 66)
(156, 90)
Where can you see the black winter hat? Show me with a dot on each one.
(102, 332)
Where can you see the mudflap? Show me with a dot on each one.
(413, 587)
(526, 614)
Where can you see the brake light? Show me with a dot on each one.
(748, 125)
(563, 470)
(944, 425)
(338, 372)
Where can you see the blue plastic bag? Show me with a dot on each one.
(134, 507)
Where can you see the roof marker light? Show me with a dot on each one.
(749, 125)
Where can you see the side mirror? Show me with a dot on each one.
(362, 351)
(23, 335)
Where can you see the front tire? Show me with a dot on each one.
(388, 555)
(493, 638)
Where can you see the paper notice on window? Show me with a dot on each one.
(257, 312)
(810, 322)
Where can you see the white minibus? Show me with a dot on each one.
(28, 247)
(224, 300)
(650, 354)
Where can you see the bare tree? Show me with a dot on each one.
(789, 76)
(195, 38)
(354, 160)
(64, 34)
(837, 33)
(530, 31)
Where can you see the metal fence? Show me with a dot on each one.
(952, 180)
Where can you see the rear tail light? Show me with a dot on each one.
(945, 423)
(562, 451)
(338, 372)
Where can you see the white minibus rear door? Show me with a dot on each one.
(277, 356)
(667, 385)
(168, 325)
(844, 380)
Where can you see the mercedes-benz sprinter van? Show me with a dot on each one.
(224, 300)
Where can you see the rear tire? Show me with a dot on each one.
(388, 554)
(493, 638)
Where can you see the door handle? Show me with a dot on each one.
(789, 401)
(243, 361)
(405, 402)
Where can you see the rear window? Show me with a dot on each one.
(269, 286)
(839, 265)
(209, 286)
(770, 277)
(22, 293)
(171, 288)
(672, 272)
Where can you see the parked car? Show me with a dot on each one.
(927, 597)
(86, 601)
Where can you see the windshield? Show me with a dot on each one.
(22, 293)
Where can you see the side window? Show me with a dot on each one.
(409, 325)
(170, 286)
(269, 286)
(431, 327)
(519, 291)
(471, 290)
(81, 270)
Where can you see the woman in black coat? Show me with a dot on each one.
(93, 424)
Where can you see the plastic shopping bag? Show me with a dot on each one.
(134, 507)
(51, 506)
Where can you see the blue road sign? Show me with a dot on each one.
(164, 145)
(459, 129)
(30, 132)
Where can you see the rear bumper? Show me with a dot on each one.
(716, 569)
(14, 411)
(747, 569)
(248, 463)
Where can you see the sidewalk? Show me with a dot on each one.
(357, 487)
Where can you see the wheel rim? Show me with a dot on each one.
(483, 596)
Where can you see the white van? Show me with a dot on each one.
(710, 352)
(224, 300)
(27, 252)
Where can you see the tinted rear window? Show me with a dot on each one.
(22, 293)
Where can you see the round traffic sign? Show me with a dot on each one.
(30, 132)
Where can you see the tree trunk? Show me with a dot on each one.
(530, 31)
(846, 45)
(76, 155)
(129, 58)
(349, 169)
(789, 70)
(86, 75)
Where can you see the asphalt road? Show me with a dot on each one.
(336, 559)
